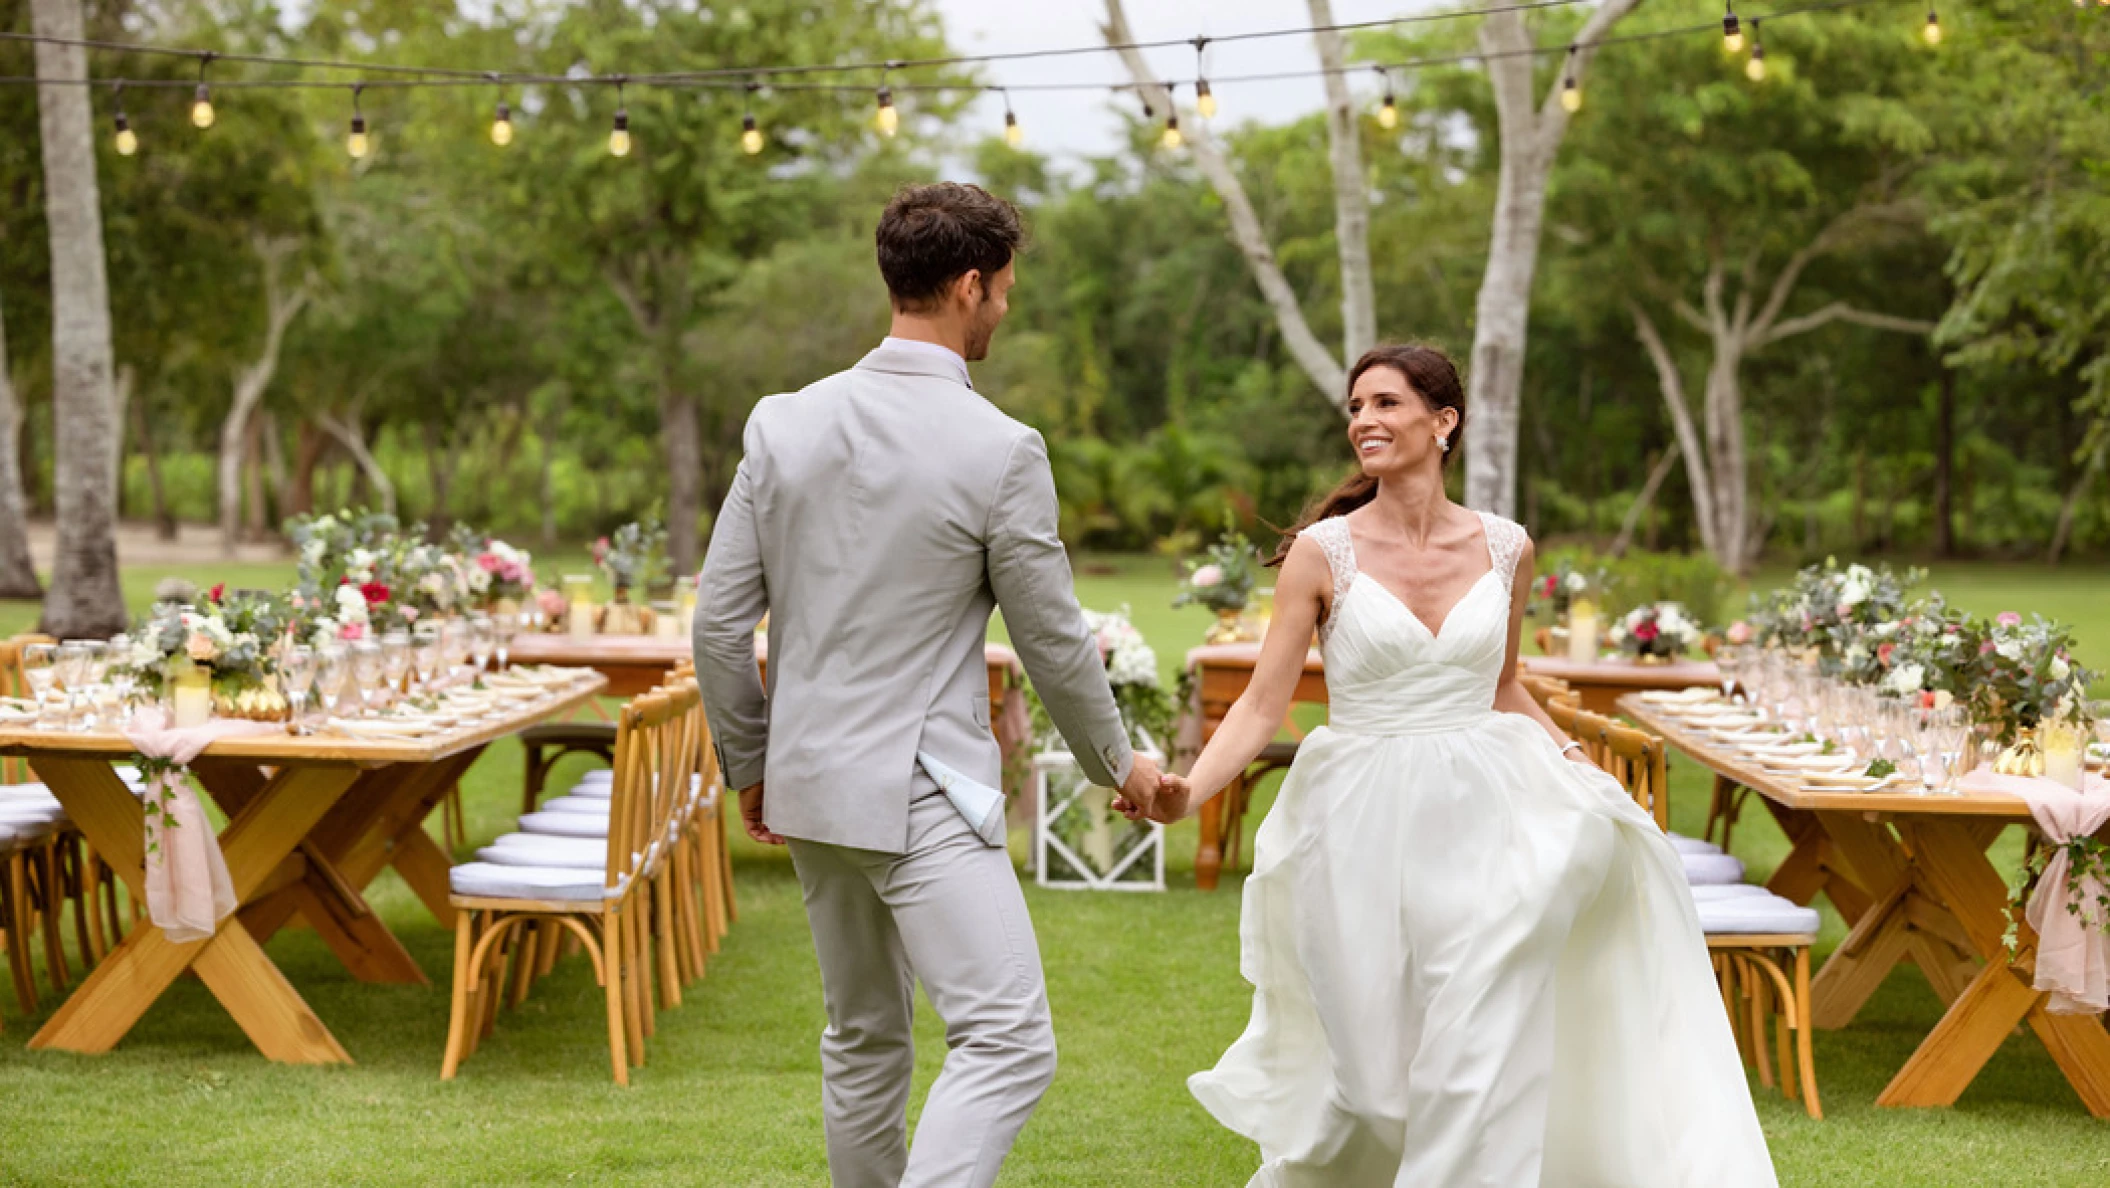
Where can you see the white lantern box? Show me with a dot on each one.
(1079, 841)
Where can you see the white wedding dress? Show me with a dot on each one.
(1474, 962)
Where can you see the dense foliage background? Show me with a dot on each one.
(514, 336)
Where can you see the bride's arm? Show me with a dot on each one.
(1511, 696)
(1302, 595)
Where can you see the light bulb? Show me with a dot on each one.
(619, 139)
(127, 140)
(1571, 96)
(358, 144)
(1388, 113)
(1204, 101)
(1732, 35)
(201, 112)
(1013, 134)
(887, 120)
(1172, 138)
(502, 127)
(1755, 68)
(750, 136)
(1932, 29)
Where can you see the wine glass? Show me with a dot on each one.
(40, 672)
(73, 668)
(330, 663)
(2099, 713)
(1727, 660)
(504, 626)
(395, 661)
(124, 682)
(454, 646)
(1952, 734)
(367, 669)
(425, 652)
(95, 674)
(483, 637)
(297, 668)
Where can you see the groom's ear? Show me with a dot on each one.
(969, 288)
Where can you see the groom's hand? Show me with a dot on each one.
(751, 816)
(1140, 790)
(1175, 800)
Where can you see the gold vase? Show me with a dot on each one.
(253, 703)
(1227, 628)
(2023, 757)
(622, 616)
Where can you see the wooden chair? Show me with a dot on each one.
(549, 742)
(1546, 689)
(605, 911)
(1751, 968)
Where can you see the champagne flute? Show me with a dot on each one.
(297, 668)
(454, 645)
(330, 662)
(482, 639)
(1727, 659)
(425, 652)
(124, 682)
(367, 669)
(395, 661)
(73, 677)
(40, 670)
(95, 671)
(504, 626)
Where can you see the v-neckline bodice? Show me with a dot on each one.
(1487, 546)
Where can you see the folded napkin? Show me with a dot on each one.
(188, 891)
(2073, 951)
(982, 805)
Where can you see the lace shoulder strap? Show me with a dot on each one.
(1505, 543)
(1332, 535)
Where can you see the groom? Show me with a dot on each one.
(876, 518)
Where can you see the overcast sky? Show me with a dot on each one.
(1079, 123)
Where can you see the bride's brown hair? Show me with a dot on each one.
(1434, 378)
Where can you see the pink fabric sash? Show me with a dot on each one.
(188, 890)
(2073, 951)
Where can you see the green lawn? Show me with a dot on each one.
(1145, 990)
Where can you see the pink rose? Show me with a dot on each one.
(410, 614)
(1739, 632)
(2009, 619)
(1207, 576)
(551, 602)
(489, 562)
(201, 648)
(352, 631)
(1883, 654)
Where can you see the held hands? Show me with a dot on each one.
(751, 816)
(1171, 798)
(1140, 790)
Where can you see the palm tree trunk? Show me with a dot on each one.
(18, 573)
(86, 599)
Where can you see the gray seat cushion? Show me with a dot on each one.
(576, 804)
(1692, 845)
(565, 824)
(1716, 891)
(598, 790)
(491, 881)
(542, 849)
(1743, 916)
(1703, 869)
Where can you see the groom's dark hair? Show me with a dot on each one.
(932, 235)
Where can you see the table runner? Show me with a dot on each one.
(188, 890)
(2073, 951)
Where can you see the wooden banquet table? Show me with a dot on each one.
(1601, 683)
(1910, 875)
(312, 820)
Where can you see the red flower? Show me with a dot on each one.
(1883, 654)
(1548, 591)
(217, 592)
(1646, 631)
(374, 592)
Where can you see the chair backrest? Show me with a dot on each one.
(1639, 761)
(1564, 714)
(12, 684)
(1546, 689)
(640, 748)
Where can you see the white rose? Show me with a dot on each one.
(1853, 592)
(2010, 649)
(1577, 583)
(1943, 699)
(1133, 665)
(2060, 670)
(1905, 678)
(312, 551)
(1886, 630)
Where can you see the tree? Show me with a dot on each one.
(18, 573)
(86, 599)
(282, 303)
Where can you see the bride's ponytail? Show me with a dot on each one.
(1434, 378)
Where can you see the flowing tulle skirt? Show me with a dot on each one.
(1476, 963)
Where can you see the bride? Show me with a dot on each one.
(1474, 959)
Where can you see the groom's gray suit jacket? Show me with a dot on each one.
(877, 517)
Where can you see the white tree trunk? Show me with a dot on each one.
(86, 599)
(18, 573)
(1531, 129)
(1351, 192)
(346, 431)
(250, 383)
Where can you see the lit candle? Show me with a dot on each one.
(666, 621)
(1582, 631)
(192, 693)
(687, 620)
(2064, 749)
(579, 589)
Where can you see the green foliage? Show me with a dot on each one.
(1640, 578)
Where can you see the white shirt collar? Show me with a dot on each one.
(933, 350)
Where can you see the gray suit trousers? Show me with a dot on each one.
(950, 912)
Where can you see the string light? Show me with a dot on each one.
(1013, 134)
(502, 126)
(1932, 29)
(1388, 111)
(1755, 67)
(1571, 95)
(1204, 101)
(1732, 33)
(357, 144)
(201, 113)
(751, 139)
(127, 140)
(1172, 138)
(619, 136)
(886, 119)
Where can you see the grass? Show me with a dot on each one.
(1145, 990)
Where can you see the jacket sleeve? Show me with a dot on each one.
(732, 597)
(1030, 574)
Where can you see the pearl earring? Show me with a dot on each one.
(1444, 444)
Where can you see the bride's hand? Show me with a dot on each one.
(1174, 801)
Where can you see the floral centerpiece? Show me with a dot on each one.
(1929, 657)
(1222, 580)
(1656, 632)
(224, 643)
(1828, 611)
(1079, 840)
(2024, 679)
(634, 556)
(430, 582)
(498, 576)
(1563, 584)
